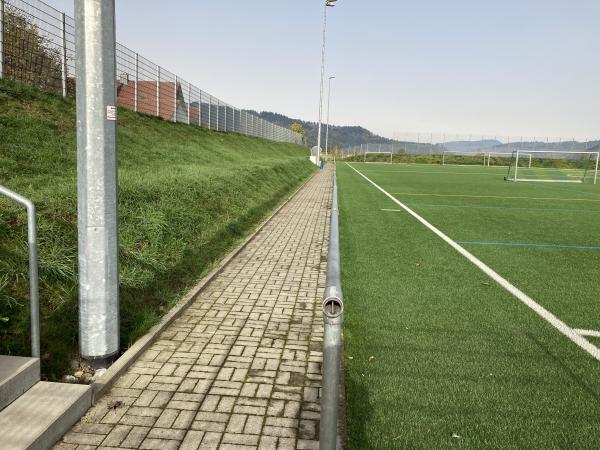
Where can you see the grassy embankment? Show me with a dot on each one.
(186, 197)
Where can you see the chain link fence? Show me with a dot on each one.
(37, 47)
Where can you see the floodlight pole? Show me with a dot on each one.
(327, 132)
(97, 181)
(328, 4)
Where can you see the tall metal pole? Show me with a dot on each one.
(328, 3)
(327, 132)
(97, 180)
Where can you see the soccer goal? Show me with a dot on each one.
(553, 166)
(464, 158)
(378, 157)
(502, 159)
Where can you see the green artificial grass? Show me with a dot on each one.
(437, 355)
(186, 197)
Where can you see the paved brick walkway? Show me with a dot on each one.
(241, 367)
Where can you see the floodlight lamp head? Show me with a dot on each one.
(330, 3)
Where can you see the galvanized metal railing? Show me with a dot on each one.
(33, 268)
(333, 318)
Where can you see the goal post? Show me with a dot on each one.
(378, 157)
(464, 158)
(553, 166)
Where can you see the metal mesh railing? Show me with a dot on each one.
(37, 47)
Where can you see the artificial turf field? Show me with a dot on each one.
(437, 354)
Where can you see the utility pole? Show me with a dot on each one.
(327, 132)
(328, 4)
(97, 181)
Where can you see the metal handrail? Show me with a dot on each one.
(33, 268)
(333, 318)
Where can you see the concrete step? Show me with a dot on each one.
(41, 416)
(17, 375)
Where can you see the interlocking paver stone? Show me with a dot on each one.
(241, 367)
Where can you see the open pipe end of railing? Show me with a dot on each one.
(333, 306)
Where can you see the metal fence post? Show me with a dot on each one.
(333, 318)
(63, 55)
(225, 128)
(1, 38)
(97, 181)
(175, 101)
(209, 111)
(157, 90)
(137, 82)
(218, 114)
(189, 104)
(200, 108)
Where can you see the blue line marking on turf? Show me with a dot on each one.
(522, 244)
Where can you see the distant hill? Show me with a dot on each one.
(343, 136)
(555, 146)
(349, 136)
(466, 146)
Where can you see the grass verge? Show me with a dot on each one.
(186, 196)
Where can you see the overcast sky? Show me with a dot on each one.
(481, 67)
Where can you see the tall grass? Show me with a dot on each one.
(186, 196)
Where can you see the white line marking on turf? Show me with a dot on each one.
(516, 292)
(589, 333)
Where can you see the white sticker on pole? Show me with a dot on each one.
(111, 113)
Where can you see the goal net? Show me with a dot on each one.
(378, 157)
(503, 159)
(464, 158)
(553, 166)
